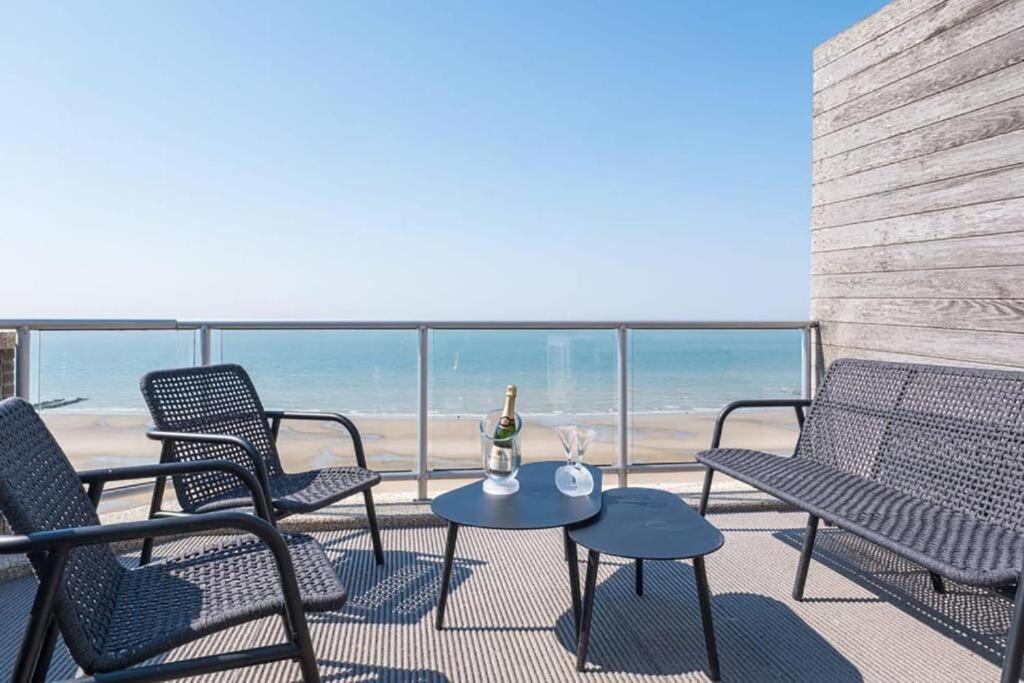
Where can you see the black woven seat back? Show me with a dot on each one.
(39, 491)
(216, 399)
(952, 436)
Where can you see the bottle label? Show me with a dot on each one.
(500, 460)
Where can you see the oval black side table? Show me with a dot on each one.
(538, 504)
(647, 524)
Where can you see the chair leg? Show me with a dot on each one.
(805, 557)
(704, 595)
(705, 492)
(154, 507)
(40, 632)
(1015, 639)
(938, 585)
(371, 518)
(307, 663)
(45, 652)
(593, 560)
(295, 624)
(638, 575)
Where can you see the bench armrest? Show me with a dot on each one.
(798, 404)
(96, 479)
(255, 458)
(276, 416)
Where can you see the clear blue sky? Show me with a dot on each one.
(478, 160)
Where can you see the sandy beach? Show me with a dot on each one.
(110, 439)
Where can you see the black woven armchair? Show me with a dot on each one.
(214, 413)
(112, 617)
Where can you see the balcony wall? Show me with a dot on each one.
(6, 364)
(917, 231)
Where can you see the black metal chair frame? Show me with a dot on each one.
(263, 502)
(799, 405)
(50, 550)
(1012, 660)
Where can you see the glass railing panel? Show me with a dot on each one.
(680, 379)
(85, 385)
(563, 376)
(368, 375)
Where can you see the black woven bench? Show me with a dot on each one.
(926, 461)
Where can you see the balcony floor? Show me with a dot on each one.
(868, 615)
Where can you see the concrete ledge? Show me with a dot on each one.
(398, 511)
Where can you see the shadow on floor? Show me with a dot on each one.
(974, 618)
(331, 670)
(402, 591)
(660, 633)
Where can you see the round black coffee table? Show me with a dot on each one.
(646, 524)
(538, 504)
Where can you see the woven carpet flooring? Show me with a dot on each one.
(868, 616)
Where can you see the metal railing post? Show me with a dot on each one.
(423, 388)
(205, 345)
(623, 456)
(805, 358)
(23, 364)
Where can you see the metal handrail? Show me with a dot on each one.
(98, 324)
(422, 472)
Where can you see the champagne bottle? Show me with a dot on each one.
(500, 461)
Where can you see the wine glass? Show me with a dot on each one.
(584, 435)
(567, 435)
(572, 478)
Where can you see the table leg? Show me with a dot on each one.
(590, 588)
(446, 576)
(639, 577)
(574, 579)
(704, 594)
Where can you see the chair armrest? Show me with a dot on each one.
(96, 479)
(357, 442)
(798, 404)
(258, 465)
(58, 542)
(57, 539)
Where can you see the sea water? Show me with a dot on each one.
(573, 372)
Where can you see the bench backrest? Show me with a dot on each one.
(953, 436)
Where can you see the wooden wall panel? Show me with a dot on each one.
(909, 40)
(990, 315)
(917, 208)
(975, 188)
(984, 251)
(1001, 282)
(907, 58)
(988, 218)
(989, 121)
(973, 157)
(988, 58)
(892, 15)
(972, 346)
(982, 92)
